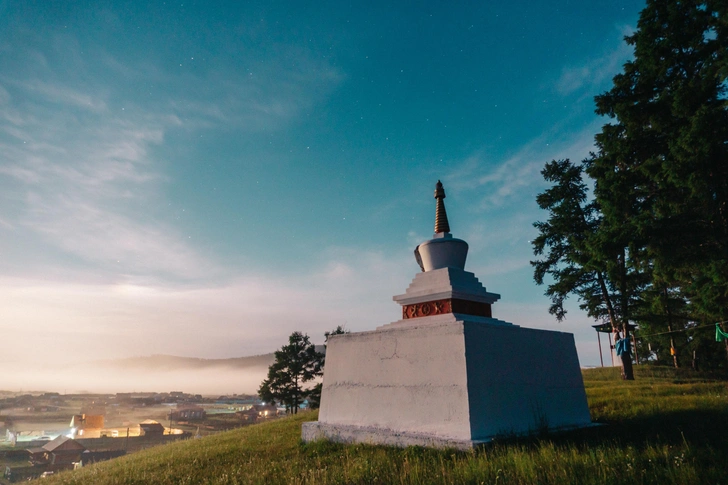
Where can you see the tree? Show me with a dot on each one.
(655, 237)
(339, 330)
(571, 221)
(295, 364)
(671, 139)
(578, 260)
(314, 396)
(661, 167)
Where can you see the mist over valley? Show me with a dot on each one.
(160, 373)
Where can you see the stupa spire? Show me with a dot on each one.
(441, 224)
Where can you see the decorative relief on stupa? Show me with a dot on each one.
(450, 305)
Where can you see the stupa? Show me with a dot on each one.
(447, 374)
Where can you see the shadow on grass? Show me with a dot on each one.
(696, 428)
(676, 428)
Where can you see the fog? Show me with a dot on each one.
(96, 378)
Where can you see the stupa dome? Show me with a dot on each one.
(443, 250)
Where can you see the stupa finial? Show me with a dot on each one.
(441, 224)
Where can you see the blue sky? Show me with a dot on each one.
(202, 178)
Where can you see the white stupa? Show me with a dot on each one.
(447, 374)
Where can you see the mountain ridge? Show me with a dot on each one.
(173, 362)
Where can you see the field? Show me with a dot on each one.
(663, 428)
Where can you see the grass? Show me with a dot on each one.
(663, 428)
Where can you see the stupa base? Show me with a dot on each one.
(347, 434)
(448, 381)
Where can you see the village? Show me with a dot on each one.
(44, 433)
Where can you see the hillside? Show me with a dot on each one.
(664, 428)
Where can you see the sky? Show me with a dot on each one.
(202, 178)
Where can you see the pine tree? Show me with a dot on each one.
(571, 221)
(657, 231)
(661, 168)
(295, 364)
(582, 259)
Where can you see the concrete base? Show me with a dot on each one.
(339, 433)
(448, 380)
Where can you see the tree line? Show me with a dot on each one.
(638, 231)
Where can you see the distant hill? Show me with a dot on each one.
(160, 362)
(157, 373)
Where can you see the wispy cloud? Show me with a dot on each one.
(590, 75)
(519, 175)
(245, 316)
(58, 94)
(86, 187)
(81, 177)
(79, 164)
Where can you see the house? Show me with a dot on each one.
(187, 413)
(61, 452)
(150, 427)
(87, 425)
(84, 421)
(265, 410)
(249, 415)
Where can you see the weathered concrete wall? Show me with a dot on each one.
(405, 379)
(448, 379)
(522, 380)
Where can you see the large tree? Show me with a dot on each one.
(295, 364)
(660, 174)
(579, 257)
(661, 168)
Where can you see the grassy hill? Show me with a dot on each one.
(664, 428)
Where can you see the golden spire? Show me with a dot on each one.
(441, 224)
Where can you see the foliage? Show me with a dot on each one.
(667, 428)
(295, 364)
(582, 259)
(657, 227)
(572, 222)
(339, 330)
(660, 172)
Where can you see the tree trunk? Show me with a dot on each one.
(626, 358)
(627, 370)
(607, 300)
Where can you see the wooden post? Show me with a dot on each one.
(599, 341)
(611, 349)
